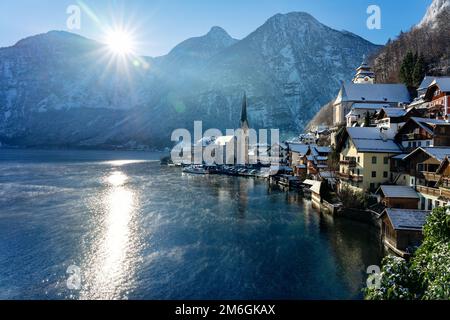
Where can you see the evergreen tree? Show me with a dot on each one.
(419, 71)
(406, 70)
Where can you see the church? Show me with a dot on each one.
(364, 94)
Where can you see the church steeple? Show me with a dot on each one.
(244, 117)
(364, 73)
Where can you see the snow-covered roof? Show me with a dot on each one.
(443, 83)
(439, 153)
(321, 158)
(299, 148)
(369, 106)
(316, 187)
(400, 156)
(394, 112)
(322, 149)
(399, 192)
(430, 121)
(327, 174)
(309, 182)
(426, 82)
(280, 168)
(222, 141)
(427, 123)
(407, 219)
(372, 140)
(375, 92)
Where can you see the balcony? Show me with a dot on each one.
(434, 192)
(350, 177)
(349, 163)
(431, 176)
(445, 193)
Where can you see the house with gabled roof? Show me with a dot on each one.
(438, 98)
(423, 132)
(395, 196)
(402, 229)
(392, 119)
(424, 168)
(365, 158)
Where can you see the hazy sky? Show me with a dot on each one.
(161, 24)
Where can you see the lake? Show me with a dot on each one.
(133, 229)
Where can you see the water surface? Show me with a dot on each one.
(138, 230)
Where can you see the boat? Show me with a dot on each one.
(199, 169)
(195, 170)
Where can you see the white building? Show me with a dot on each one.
(363, 90)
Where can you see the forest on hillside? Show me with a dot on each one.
(430, 41)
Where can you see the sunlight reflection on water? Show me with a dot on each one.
(110, 263)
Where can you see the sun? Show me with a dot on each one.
(120, 42)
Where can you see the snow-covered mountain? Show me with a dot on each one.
(436, 8)
(60, 89)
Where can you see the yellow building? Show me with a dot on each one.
(365, 158)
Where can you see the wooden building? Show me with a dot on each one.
(423, 132)
(402, 229)
(422, 169)
(438, 96)
(401, 197)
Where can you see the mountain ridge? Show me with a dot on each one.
(70, 97)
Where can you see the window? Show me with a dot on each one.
(374, 160)
(409, 144)
(359, 159)
(414, 144)
(386, 160)
(359, 173)
(372, 186)
(374, 174)
(385, 174)
(428, 143)
(419, 144)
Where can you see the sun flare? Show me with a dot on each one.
(120, 42)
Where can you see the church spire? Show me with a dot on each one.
(244, 118)
(364, 73)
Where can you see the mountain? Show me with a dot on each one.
(430, 38)
(436, 9)
(60, 89)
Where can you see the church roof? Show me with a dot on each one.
(392, 93)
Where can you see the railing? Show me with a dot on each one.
(445, 193)
(350, 177)
(349, 163)
(412, 136)
(445, 182)
(429, 191)
(431, 176)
